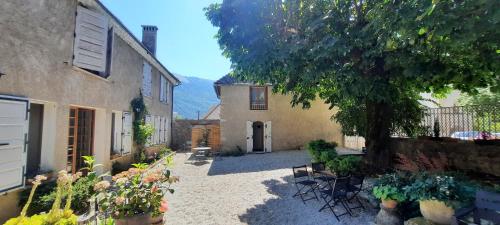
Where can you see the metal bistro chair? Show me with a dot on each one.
(354, 188)
(319, 174)
(304, 183)
(486, 207)
(336, 193)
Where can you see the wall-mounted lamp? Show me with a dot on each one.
(1, 74)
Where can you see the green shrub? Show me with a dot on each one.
(391, 186)
(452, 189)
(344, 165)
(322, 151)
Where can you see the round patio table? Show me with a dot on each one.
(199, 151)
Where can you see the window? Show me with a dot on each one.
(164, 85)
(258, 98)
(80, 137)
(92, 45)
(146, 80)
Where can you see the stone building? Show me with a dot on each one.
(254, 119)
(71, 69)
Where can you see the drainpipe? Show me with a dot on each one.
(172, 114)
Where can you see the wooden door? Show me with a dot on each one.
(80, 137)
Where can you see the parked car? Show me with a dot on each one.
(473, 135)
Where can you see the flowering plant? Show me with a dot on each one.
(136, 191)
(57, 215)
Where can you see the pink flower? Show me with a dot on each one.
(163, 206)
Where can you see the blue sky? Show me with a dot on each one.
(186, 43)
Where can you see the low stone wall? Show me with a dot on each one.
(465, 156)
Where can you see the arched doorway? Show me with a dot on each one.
(258, 136)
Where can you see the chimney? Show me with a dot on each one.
(149, 37)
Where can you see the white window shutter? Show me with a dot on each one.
(149, 122)
(127, 133)
(147, 80)
(13, 133)
(268, 144)
(157, 130)
(118, 133)
(163, 87)
(165, 129)
(249, 136)
(91, 36)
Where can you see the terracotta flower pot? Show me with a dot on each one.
(389, 203)
(436, 211)
(134, 220)
(156, 220)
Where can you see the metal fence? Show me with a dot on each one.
(461, 122)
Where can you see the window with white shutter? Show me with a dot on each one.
(146, 80)
(91, 39)
(163, 89)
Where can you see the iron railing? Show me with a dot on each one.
(461, 122)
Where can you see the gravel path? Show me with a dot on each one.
(251, 189)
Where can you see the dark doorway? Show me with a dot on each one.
(258, 136)
(35, 139)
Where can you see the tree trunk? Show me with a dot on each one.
(379, 115)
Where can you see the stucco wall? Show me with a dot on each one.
(36, 48)
(292, 128)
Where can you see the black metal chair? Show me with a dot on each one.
(336, 193)
(353, 189)
(304, 183)
(486, 207)
(319, 174)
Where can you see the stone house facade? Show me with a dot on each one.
(254, 119)
(69, 72)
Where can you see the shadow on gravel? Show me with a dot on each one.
(259, 162)
(282, 208)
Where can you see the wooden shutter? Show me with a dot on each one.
(91, 36)
(267, 137)
(118, 133)
(162, 125)
(13, 134)
(157, 130)
(149, 121)
(249, 136)
(165, 129)
(126, 133)
(146, 82)
(163, 87)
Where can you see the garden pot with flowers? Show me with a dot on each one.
(136, 196)
(439, 195)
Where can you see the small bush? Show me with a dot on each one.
(322, 151)
(344, 165)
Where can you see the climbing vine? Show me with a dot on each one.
(142, 131)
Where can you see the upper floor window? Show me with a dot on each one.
(258, 98)
(146, 79)
(92, 46)
(164, 89)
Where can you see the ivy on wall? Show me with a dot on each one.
(142, 131)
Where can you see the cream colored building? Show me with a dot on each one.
(69, 72)
(256, 120)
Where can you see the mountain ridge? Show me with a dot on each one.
(194, 95)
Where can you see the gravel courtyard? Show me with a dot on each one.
(251, 189)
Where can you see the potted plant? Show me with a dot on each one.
(389, 188)
(439, 195)
(136, 196)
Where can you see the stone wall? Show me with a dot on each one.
(181, 131)
(465, 156)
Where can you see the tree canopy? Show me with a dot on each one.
(369, 58)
